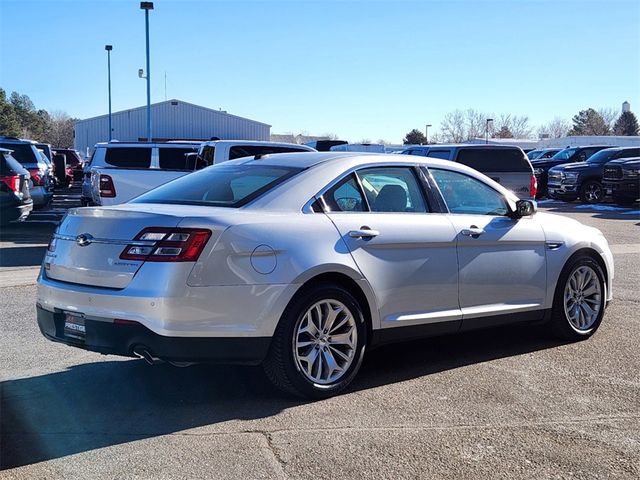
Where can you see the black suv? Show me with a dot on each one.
(15, 200)
(621, 180)
(583, 180)
(568, 155)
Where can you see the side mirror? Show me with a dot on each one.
(525, 208)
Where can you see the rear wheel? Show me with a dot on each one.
(579, 301)
(319, 344)
(591, 192)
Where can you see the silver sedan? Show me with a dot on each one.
(300, 262)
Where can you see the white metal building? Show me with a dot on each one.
(614, 141)
(171, 120)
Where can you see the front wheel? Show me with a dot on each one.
(318, 346)
(579, 301)
(591, 192)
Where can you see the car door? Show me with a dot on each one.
(502, 262)
(406, 253)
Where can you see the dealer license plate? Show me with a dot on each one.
(74, 326)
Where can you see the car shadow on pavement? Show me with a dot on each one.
(100, 404)
(22, 256)
(605, 211)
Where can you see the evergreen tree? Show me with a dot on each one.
(627, 124)
(589, 122)
(414, 137)
(9, 122)
(504, 132)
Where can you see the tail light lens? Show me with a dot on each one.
(12, 181)
(36, 176)
(107, 189)
(533, 186)
(171, 245)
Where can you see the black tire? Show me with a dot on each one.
(560, 325)
(280, 365)
(591, 192)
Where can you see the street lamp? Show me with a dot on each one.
(489, 122)
(146, 6)
(426, 133)
(108, 48)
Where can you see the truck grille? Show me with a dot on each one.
(614, 172)
(555, 177)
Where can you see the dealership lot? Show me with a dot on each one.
(503, 403)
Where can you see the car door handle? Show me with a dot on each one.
(364, 232)
(472, 231)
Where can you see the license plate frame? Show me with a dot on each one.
(74, 326)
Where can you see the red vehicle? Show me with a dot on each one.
(74, 161)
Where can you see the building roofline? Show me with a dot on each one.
(219, 112)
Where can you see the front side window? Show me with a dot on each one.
(174, 158)
(565, 154)
(465, 194)
(220, 186)
(392, 189)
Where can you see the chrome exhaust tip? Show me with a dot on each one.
(145, 354)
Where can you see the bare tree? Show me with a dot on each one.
(60, 130)
(556, 128)
(609, 115)
(476, 124)
(452, 126)
(330, 136)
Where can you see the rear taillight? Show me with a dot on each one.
(12, 181)
(167, 245)
(107, 189)
(36, 176)
(533, 186)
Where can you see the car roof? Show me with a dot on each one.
(141, 144)
(16, 140)
(258, 142)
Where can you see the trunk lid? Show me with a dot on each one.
(88, 243)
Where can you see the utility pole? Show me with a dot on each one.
(146, 6)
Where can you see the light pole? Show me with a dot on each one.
(146, 6)
(108, 48)
(426, 133)
(489, 120)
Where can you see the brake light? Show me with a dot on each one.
(12, 181)
(107, 189)
(533, 186)
(35, 176)
(169, 245)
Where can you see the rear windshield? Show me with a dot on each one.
(220, 186)
(22, 152)
(128, 157)
(174, 158)
(494, 159)
(9, 166)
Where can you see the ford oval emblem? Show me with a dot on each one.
(84, 239)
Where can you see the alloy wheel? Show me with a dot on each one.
(594, 192)
(582, 298)
(325, 342)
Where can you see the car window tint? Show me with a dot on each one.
(345, 196)
(417, 151)
(22, 152)
(128, 157)
(465, 194)
(494, 159)
(220, 186)
(239, 151)
(174, 158)
(392, 189)
(443, 154)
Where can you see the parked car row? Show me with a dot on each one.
(576, 173)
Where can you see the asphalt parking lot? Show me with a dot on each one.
(502, 403)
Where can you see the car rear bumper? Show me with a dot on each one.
(563, 191)
(16, 212)
(106, 337)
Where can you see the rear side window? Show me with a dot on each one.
(128, 157)
(239, 151)
(494, 159)
(220, 186)
(392, 189)
(22, 152)
(174, 158)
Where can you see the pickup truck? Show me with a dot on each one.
(119, 171)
